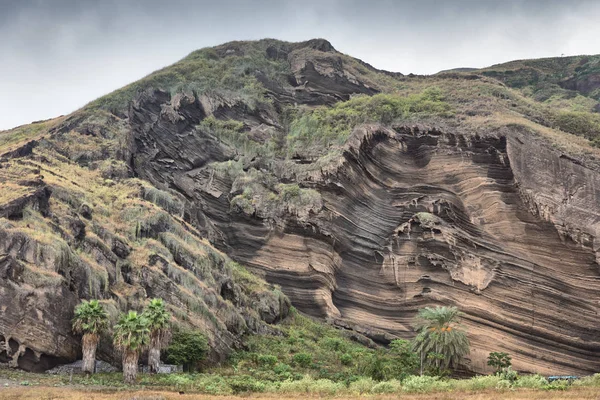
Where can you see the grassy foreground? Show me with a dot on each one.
(72, 393)
(23, 385)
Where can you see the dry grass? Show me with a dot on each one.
(13, 138)
(52, 393)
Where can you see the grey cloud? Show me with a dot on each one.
(56, 55)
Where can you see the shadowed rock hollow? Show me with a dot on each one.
(403, 213)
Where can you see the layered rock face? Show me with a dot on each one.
(401, 216)
(499, 225)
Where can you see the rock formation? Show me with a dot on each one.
(404, 214)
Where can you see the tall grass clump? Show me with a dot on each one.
(362, 386)
(424, 384)
(387, 387)
(530, 382)
(588, 381)
(328, 126)
(164, 200)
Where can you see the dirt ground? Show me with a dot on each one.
(69, 393)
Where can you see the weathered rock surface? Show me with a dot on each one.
(501, 225)
(498, 223)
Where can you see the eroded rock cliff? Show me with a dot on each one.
(445, 199)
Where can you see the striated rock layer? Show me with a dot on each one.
(413, 220)
(499, 225)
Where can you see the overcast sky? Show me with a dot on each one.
(56, 55)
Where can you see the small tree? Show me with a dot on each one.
(187, 348)
(499, 360)
(159, 325)
(90, 320)
(131, 336)
(406, 361)
(440, 333)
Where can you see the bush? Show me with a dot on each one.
(283, 370)
(289, 191)
(325, 387)
(424, 384)
(557, 385)
(266, 360)
(509, 374)
(246, 384)
(362, 386)
(299, 386)
(531, 382)
(503, 384)
(393, 386)
(579, 123)
(588, 381)
(187, 348)
(346, 359)
(334, 344)
(499, 361)
(302, 360)
(164, 200)
(213, 384)
(325, 126)
(477, 383)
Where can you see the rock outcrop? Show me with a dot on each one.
(501, 225)
(495, 221)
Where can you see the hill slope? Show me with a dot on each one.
(364, 195)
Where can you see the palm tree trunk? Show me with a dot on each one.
(154, 354)
(89, 343)
(130, 366)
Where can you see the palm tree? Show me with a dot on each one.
(440, 335)
(131, 337)
(158, 323)
(90, 320)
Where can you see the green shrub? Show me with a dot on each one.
(289, 191)
(579, 123)
(187, 348)
(266, 360)
(557, 385)
(302, 359)
(503, 384)
(588, 381)
(325, 126)
(499, 361)
(246, 384)
(296, 386)
(325, 387)
(362, 386)
(334, 344)
(424, 384)
(508, 374)
(179, 381)
(282, 369)
(531, 382)
(214, 385)
(346, 359)
(164, 200)
(393, 386)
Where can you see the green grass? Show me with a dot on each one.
(222, 385)
(21, 134)
(324, 127)
(206, 71)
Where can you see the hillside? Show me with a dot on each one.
(253, 176)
